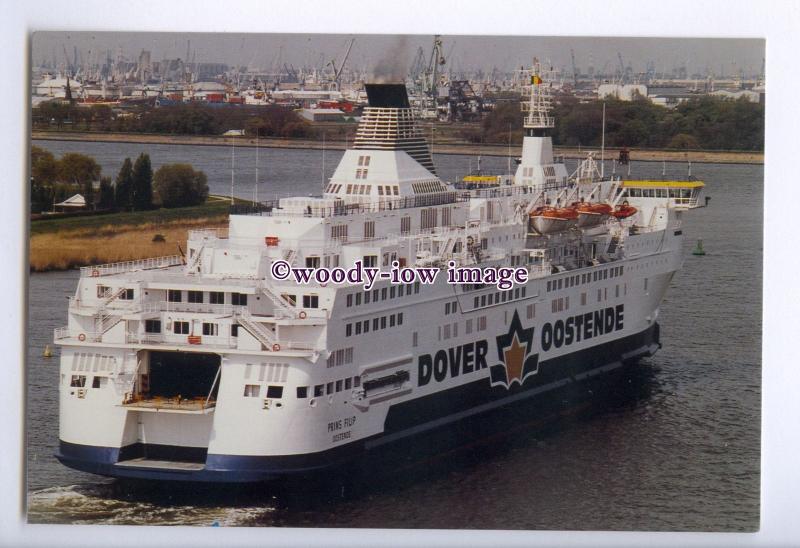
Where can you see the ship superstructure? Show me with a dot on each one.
(205, 367)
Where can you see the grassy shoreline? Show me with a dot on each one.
(63, 244)
(449, 147)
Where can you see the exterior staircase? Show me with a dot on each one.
(282, 308)
(257, 330)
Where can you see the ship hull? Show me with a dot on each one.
(405, 420)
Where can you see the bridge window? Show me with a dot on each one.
(312, 262)
(275, 392)
(319, 390)
(216, 297)
(174, 295)
(195, 297)
(302, 392)
(180, 328)
(126, 295)
(311, 301)
(103, 291)
(238, 299)
(210, 329)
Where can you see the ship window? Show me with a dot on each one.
(216, 297)
(370, 261)
(399, 318)
(103, 291)
(549, 286)
(380, 190)
(384, 292)
(252, 390)
(599, 295)
(375, 323)
(366, 326)
(180, 328)
(645, 284)
(396, 191)
(348, 383)
(616, 290)
(312, 262)
(446, 308)
(275, 392)
(234, 330)
(238, 299)
(329, 388)
(622, 270)
(383, 322)
(78, 381)
(174, 295)
(483, 300)
(358, 328)
(414, 339)
(99, 382)
(152, 326)
(369, 229)
(405, 225)
(318, 390)
(356, 381)
(349, 300)
(358, 299)
(349, 189)
(583, 299)
(126, 295)
(391, 320)
(290, 299)
(476, 302)
(348, 330)
(531, 311)
(339, 385)
(392, 292)
(310, 301)
(195, 297)
(210, 329)
(482, 323)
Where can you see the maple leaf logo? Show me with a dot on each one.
(514, 352)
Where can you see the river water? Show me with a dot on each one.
(678, 448)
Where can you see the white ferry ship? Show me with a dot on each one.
(203, 367)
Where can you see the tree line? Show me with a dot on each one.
(135, 187)
(704, 123)
(180, 119)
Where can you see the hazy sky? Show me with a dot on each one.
(719, 55)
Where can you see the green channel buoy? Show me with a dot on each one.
(698, 250)
(48, 353)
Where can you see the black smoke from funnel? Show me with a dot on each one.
(392, 67)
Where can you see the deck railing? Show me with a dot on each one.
(131, 266)
(207, 308)
(208, 233)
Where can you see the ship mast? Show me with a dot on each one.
(538, 122)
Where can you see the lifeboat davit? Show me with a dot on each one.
(592, 214)
(624, 211)
(548, 220)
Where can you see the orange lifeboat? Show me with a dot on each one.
(624, 211)
(548, 220)
(591, 214)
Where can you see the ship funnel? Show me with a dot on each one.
(388, 124)
(387, 95)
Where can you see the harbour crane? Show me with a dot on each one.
(337, 74)
(574, 68)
